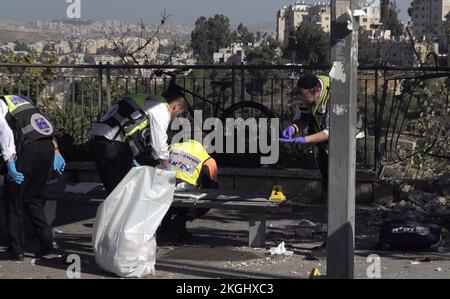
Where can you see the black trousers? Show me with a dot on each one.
(190, 214)
(113, 159)
(35, 161)
(322, 160)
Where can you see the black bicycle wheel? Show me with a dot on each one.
(255, 109)
(244, 111)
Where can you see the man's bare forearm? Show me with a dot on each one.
(316, 138)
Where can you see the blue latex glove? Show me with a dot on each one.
(288, 133)
(59, 163)
(16, 176)
(135, 164)
(299, 140)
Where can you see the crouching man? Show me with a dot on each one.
(195, 169)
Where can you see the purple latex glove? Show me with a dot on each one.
(288, 133)
(299, 140)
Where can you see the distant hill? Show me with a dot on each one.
(7, 36)
(269, 27)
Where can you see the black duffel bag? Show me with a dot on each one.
(410, 234)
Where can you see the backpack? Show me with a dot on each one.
(410, 234)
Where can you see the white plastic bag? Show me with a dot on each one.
(124, 229)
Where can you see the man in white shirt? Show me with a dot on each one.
(29, 148)
(131, 126)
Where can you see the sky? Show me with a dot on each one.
(248, 12)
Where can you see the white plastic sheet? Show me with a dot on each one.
(124, 229)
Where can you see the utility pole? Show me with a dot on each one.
(342, 142)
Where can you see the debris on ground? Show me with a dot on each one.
(280, 250)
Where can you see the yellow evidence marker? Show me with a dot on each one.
(277, 194)
(314, 273)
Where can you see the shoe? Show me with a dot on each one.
(179, 225)
(53, 248)
(15, 255)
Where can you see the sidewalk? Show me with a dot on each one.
(219, 249)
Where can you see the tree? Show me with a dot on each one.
(210, 35)
(21, 47)
(129, 51)
(309, 44)
(366, 53)
(389, 17)
(242, 35)
(199, 40)
(265, 54)
(219, 34)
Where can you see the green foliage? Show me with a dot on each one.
(209, 35)
(389, 17)
(23, 79)
(366, 53)
(242, 35)
(308, 45)
(21, 47)
(265, 54)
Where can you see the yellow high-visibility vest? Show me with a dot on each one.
(187, 159)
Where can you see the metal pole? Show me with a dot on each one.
(108, 84)
(100, 83)
(342, 143)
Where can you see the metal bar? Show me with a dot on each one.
(242, 85)
(365, 120)
(194, 99)
(187, 66)
(82, 110)
(233, 85)
(252, 83)
(342, 143)
(136, 87)
(108, 84)
(221, 67)
(375, 149)
(389, 120)
(91, 95)
(204, 93)
(271, 96)
(37, 91)
(262, 94)
(99, 86)
(73, 103)
(282, 97)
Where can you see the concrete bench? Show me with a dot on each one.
(255, 205)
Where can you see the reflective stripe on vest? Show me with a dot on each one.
(17, 104)
(135, 121)
(187, 160)
(26, 120)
